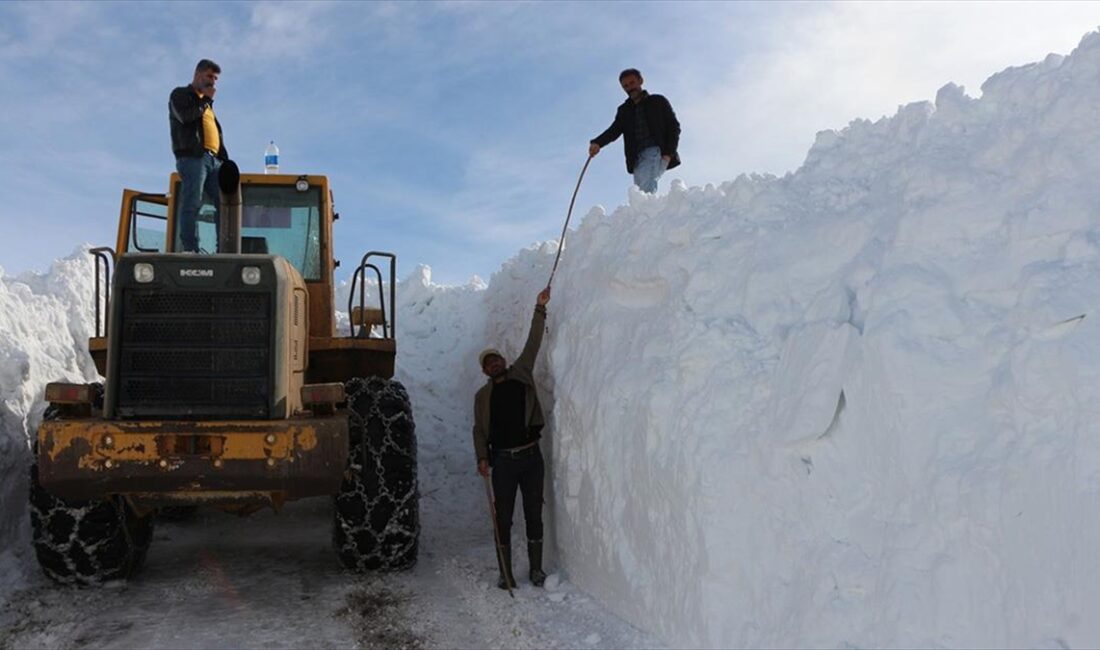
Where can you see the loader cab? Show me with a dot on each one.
(282, 214)
(276, 219)
(291, 217)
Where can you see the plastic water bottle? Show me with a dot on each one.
(271, 159)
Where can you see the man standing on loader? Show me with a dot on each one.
(650, 130)
(199, 148)
(508, 421)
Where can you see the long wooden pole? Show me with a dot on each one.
(496, 536)
(568, 215)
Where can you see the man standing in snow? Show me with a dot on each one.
(650, 130)
(507, 424)
(199, 148)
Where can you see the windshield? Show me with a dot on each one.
(275, 219)
(280, 220)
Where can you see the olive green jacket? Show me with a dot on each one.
(523, 370)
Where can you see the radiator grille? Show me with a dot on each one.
(201, 362)
(190, 332)
(224, 304)
(195, 354)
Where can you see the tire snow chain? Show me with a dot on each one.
(377, 516)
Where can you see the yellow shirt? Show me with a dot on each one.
(210, 138)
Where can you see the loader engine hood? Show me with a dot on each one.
(203, 337)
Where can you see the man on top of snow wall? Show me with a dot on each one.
(650, 130)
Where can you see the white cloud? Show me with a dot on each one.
(289, 33)
(503, 199)
(28, 30)
(837, 62)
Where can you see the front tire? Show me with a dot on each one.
(378, 508)
(86, 542)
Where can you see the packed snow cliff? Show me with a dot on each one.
(858, 405)
(45, 322)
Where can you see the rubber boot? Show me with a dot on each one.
(506, 579)
(534, 555)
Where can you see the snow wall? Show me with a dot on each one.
(45, 322)
(853, 406)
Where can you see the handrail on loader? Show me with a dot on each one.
(389, 325)
(106, 255)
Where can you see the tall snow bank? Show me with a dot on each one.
(45, 322)
(855, 406)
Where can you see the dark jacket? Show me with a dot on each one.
(185, 109)
(523, 371)
(663, 125)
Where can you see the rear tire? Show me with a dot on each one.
(378, 508)
(86, 542)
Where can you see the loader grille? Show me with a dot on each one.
(195, 354)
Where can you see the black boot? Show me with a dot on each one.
(534, 554)
(506, 580)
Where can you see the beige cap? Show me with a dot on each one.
(486, 352)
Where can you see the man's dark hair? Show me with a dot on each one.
(207, 64)
(623, 74)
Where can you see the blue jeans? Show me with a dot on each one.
(197, 176)
(648, 169)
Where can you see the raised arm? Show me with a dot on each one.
(526, 359)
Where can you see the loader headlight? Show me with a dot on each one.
(250, 275)
(143, 272)
(62, 393)
(323, 398)
(301, 184)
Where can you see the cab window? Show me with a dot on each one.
(148, 225)
(280, 220)
(275, 220)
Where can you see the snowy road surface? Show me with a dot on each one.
(221, 581)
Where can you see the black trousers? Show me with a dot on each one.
(526, 473)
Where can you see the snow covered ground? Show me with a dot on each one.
(271, 581)
(853, 406)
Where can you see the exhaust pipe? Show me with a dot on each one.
(229, 208)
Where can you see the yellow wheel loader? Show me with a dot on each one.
(228, 385)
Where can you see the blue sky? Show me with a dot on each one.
(453, 133)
